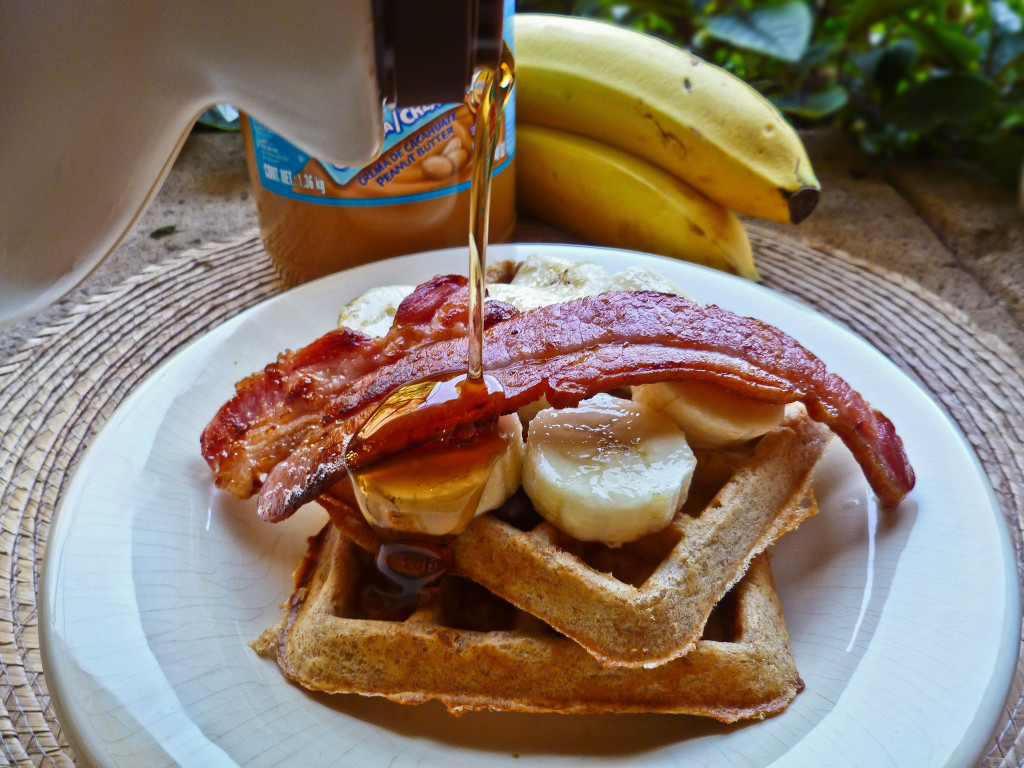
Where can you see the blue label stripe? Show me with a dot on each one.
(365, 202)
(281, 165)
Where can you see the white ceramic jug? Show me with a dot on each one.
(98, 96)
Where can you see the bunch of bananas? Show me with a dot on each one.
(632, 142)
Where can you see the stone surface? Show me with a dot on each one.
(979, 222)
(206, 197)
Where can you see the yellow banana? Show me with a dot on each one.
(610, 197)
(666, 105)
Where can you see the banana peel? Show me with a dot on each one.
(613, 198)
(667, 106)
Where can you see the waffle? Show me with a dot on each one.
(472, 650)
(646, 602)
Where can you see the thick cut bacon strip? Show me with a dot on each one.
(572, 351)
(273, 410)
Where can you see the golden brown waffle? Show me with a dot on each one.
(471, 650)
(645, 603)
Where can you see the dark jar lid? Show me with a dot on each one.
(428, 50)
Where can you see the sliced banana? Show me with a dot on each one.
(543, 279)
(437, 490)
(374, 311)
(609, 470)
(637, 278)
(528, 411)
(710, 416)
(507, 472)
(561, 279)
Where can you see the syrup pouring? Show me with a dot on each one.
(415, 552)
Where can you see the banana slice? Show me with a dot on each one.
(543, 279)
(528, 411)
(637, 278)
(374, 311)
(710, 416)
(609, 470)
(437, 490)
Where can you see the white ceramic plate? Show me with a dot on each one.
(904, 623)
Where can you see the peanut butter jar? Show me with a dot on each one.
(317, 218)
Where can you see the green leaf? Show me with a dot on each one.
(1008, 52)
(1002, 156)
(818, 55)
(1006, 20)
(1013, 119)
(948, 44)
(894, 66)
(1011, 107)
(164, 231)
(781, 31)
(954, 98)
(815, 105)
(867, 12)
(866, 61)
(223, 117)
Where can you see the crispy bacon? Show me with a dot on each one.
(572, 351)
(273, 410)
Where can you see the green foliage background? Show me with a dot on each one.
(902, 76)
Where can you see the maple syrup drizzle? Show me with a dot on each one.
(399, 493)
(497, 88)
(409, 565)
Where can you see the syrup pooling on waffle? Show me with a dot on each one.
(421, 497)
(471, 650)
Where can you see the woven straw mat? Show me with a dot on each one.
(60, 389)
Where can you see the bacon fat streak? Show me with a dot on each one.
(291, 424)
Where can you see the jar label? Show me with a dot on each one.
(427, 152)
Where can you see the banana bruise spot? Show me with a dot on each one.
(667, 137)
(572, 351)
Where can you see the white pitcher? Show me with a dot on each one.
(98, 96)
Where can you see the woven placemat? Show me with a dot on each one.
(60, 389)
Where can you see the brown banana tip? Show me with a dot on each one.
(802, 202)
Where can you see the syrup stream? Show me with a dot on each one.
(409, 566)
(496, 90)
